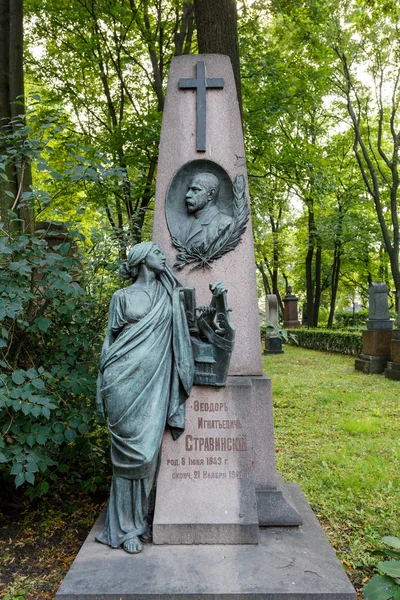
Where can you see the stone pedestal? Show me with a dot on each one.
(392, 371)
(273, 345)
(291, 312)
(395, 350)
(371, 364)
(206, 485)
(377, 342)
(393, 367)
(376, 351)
(218, 482)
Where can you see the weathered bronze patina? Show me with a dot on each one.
(146, 373)
(206, 214)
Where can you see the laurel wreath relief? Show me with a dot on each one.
(204, 255)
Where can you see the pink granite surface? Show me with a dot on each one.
(225, 147)
(206, 484)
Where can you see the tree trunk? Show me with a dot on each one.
(318, 289)
(4, 46)
(16, 72)
(12, 102)
(267, 287)
(275, 289)
(334, 284)
(5, 108)
(275, 264)
(309, 266)
(17, 99)
(337, 255)
(216, 22)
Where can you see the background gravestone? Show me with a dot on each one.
(378, 335)
(393, 367)
(291, 311)
(273, 343)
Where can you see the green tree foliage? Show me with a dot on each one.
(52, 314)
(108, 62)
(301, 135)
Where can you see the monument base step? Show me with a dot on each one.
(288, 563)
(393, 371)
(371, 364)
(274, 509)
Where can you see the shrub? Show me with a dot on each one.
(387, 585)
(49, 332)
(52, 319)
(346, 318)
(345, 342)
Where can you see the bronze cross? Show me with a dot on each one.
(201, 84)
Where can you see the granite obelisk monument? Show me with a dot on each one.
(204, 494)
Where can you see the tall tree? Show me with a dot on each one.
(18, 176)
(367, 46)
(217, 33)
(286, 125)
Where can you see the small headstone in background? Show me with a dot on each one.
(291, 311)
(273, 343)
(393, 367)
(377, 337)
(378, 315)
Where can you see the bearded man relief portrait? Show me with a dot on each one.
(199, 204)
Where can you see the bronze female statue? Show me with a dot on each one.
(145, 375)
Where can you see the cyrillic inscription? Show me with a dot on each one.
(215, 446)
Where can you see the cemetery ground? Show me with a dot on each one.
(337, 436)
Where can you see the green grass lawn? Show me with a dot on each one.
(338, 436)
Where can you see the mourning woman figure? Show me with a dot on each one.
(145, 375)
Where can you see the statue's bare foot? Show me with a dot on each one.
(133, 546)
(146, 537)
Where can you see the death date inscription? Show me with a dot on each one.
(181, 475)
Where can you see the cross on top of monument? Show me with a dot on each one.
(201, 83)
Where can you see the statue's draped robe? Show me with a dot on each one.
(145, 375)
